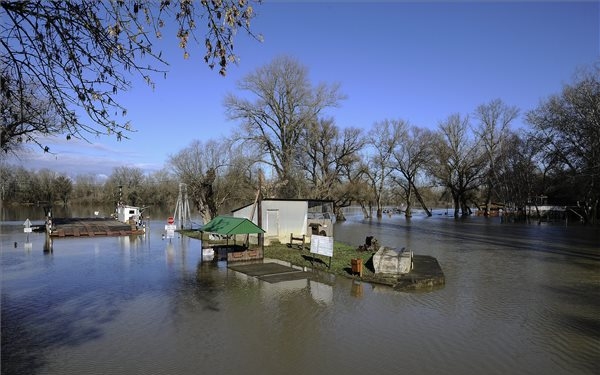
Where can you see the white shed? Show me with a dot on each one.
(282, 218)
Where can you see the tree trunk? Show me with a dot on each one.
(488, 201)
(408, 211)
(420, 199)
(456, 204)
(465, 209)
(366, 213)
(594, 213)
(339, 215)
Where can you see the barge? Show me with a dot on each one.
(126, 221)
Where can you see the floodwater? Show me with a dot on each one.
(518, 299)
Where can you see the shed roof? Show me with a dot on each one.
(309, 201)
(231, 225)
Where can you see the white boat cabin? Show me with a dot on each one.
(129, 214)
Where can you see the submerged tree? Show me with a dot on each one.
(383, 138)
(58, 56)
(458, 161)
(493, 130)
(521, 174)
(411, 157)
(568, 128)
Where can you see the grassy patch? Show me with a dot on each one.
(340, 262)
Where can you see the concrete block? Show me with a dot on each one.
(392, 261)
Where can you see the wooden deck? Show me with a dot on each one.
(90, 227)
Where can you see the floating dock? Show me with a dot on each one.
(90, 227)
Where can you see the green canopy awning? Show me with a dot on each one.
(227, 225)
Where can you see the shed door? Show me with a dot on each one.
(273, 223)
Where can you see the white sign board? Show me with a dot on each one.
(170, 228)
(321, 245)
(27, 225)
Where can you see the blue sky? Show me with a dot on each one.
(419, 62)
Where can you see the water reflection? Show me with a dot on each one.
(518, 299)
(320, 292)
(357, 289)
(48, 245)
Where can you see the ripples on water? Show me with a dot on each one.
(518, 299)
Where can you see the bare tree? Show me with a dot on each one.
(6, 180)
(568, 127)
(80, 54)
(124, 186)
(19, 184)
(63, 187)
(237, 178)
(87, 188)
(42, 187)
(355, 189)
(215, 173)
(458, 161)
(521, 173)
(326, 152)
(282, 104)
(196, 166)
(493, 130)
(412, 155)
(383, 139)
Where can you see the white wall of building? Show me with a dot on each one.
(280, 218)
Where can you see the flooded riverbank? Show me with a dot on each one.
(518, 299)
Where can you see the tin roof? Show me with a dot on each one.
(286, 200)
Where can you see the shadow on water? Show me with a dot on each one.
(33, 328)
(582, 294)
(17, 342)
(580, 322)
(202, 287)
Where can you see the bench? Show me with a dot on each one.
(302, 241)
